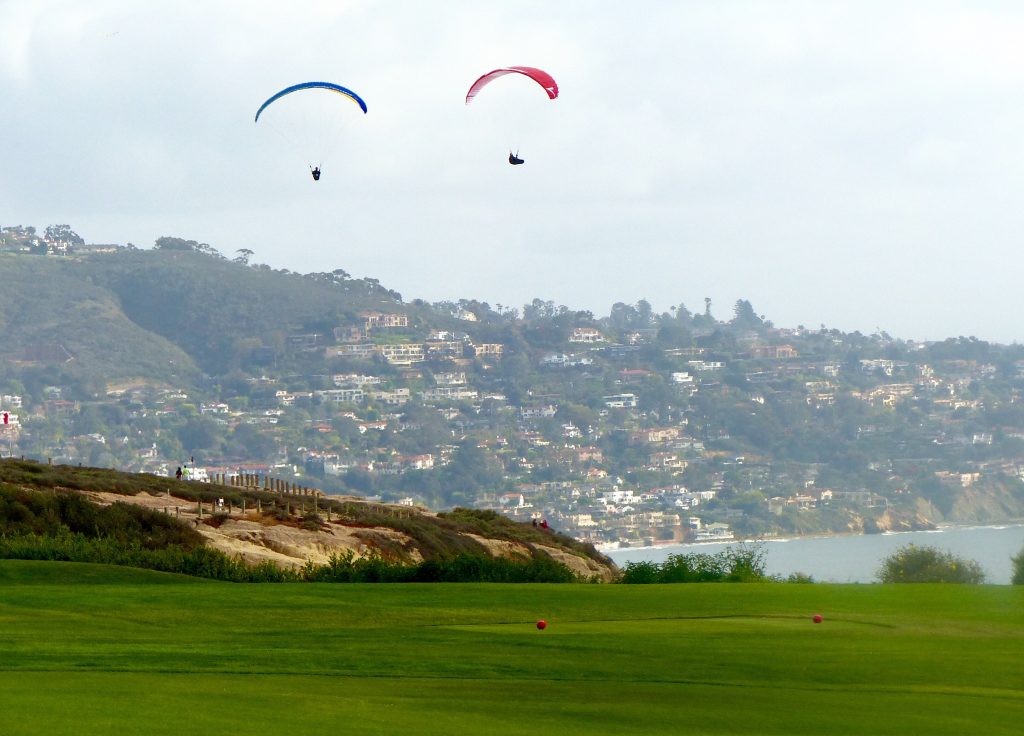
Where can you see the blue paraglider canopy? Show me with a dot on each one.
(330, 86)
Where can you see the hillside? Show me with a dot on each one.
(162, 313)
(286, 530)
(55, 318)
(220, 311)
(631, 428)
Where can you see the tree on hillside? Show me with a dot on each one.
(683, 314)
(960, 348)
(539, 309)
(744, 316)
(624, 317)
(705, 320)
(199, 433)
(170, 243)
(579, 415)
(644, 313)
(469, 471)
(63, 234)
(247, 441)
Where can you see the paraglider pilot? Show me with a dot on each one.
(514, 158)
(316, 173)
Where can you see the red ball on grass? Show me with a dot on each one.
(817, 618)
(542, 624)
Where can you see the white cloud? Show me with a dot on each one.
(816, 158)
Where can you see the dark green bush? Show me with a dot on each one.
(200, 561)
(24, 511)
(1018, 568)
(799, 577)
(913, 564)
(463, 568)
(739, 564)
(643, 572)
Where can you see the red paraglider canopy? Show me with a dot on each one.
(539, 76)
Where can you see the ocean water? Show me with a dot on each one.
(856, 558)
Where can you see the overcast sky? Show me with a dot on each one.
(858, 165)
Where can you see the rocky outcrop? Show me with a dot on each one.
(890, 521)
(987, 504)
(287, 546)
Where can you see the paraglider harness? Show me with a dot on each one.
(315, 172)
(514, 158)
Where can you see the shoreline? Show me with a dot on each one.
(939, 529)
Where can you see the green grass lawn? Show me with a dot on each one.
(90, 649)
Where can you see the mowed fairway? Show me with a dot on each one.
(90, 649)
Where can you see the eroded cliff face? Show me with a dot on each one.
(292, 547)
(288, 546)
(903, 521)
(922, 517)
(972, 506)
(986, 504)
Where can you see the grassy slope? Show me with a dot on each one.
(441, 659)
(37, 572)
(49, 301)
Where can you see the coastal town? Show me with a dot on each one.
(632, 429)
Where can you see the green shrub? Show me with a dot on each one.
(641, 573)
(25, 511)
(913, 564)
(799, 577)
(739, 564)
(1018, 568)
(462, 568)
(199, 562)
